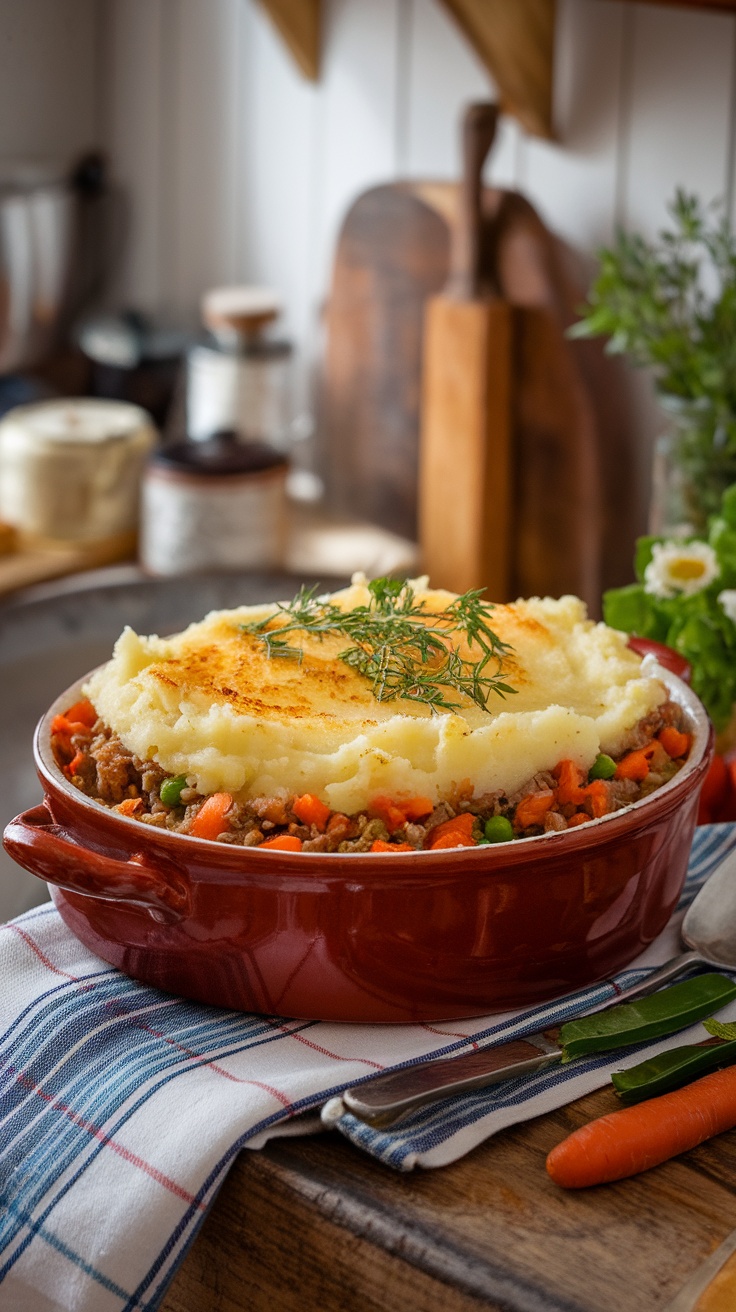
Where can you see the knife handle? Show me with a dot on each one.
(385, 1098)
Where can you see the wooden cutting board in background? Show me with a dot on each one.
(572, 525)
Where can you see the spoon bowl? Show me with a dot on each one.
(709, 927)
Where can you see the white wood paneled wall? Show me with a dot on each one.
(48, 79)
(237, 168)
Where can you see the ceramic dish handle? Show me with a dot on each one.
(38, 844)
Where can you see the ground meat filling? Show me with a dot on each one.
(95, 760)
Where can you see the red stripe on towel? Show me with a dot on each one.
(83, 1124)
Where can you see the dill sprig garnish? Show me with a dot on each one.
(405, 650)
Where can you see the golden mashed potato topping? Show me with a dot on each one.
(211, 704)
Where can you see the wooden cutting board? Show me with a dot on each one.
(573, 524)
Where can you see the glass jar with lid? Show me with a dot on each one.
(239, 377)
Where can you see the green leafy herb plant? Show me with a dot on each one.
(401, 647)
(696, 623)
(670, 304)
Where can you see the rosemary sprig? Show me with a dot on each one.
(405, 650)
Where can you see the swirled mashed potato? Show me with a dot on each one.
(210, 704)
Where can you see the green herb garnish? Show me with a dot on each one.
(721, 1029)
(405, 650)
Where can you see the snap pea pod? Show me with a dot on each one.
(649, 1018)
(670, 1070)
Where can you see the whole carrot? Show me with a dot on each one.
(636, 1138)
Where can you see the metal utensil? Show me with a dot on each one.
(709, 932)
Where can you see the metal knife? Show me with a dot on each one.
(384, 1098)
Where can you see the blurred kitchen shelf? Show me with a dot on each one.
(29, 565)
(318, 544)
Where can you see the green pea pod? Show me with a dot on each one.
(649, 1018)
(670, 1070)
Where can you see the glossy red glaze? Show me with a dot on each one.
(364, 937)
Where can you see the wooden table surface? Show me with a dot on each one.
(315, 1225)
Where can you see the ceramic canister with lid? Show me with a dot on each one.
(71, 470)
(214, 504)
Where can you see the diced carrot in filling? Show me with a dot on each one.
(675, 744)
(455, 838)
(82, 713)
(210, 819)
(380, 845)
(569, 787)
(61, 731)
(599, 800)
(340, 826)
(75, 765)
(531, 810)
(416, 808)
(388, 811)
(635, 765)
(272, 809)
(311, 811)
(130, 806)
(457, 832)
(284, 843)
(579, 818)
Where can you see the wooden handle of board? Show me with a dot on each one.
(478, 135)
(465, 445)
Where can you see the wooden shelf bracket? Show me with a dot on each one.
(513, 38)
(515, 41)
(299, 23)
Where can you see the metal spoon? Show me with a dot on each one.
(708, 930)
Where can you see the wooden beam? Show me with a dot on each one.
(299, 23)
(515, 41)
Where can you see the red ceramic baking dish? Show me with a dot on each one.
(415, 936)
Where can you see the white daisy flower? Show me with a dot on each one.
(727, 599)
(680, 569)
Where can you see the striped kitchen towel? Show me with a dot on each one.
(121, 1108)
